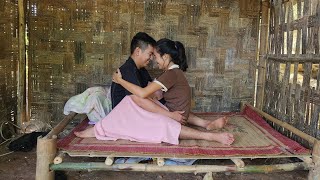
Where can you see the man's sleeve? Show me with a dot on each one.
(130, 76)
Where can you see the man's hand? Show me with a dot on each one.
(116, 77)
(177, 115)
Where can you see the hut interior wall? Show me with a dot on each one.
(74, 45)
(8, 64)
(292, 80)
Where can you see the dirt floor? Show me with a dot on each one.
(22, 166)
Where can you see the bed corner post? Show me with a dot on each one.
(242, 105)
(314, 172)
(46, 151)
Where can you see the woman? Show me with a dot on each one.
(129, 121)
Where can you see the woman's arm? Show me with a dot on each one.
(134, 89)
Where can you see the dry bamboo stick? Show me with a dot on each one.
(58, 159)
(238, 162)
(96, 166)
(109, 160)
(294, 130)
(58, 128)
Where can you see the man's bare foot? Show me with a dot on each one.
(223, 138)
(218, 123)
(85, 133)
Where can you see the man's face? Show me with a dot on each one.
(146, 56)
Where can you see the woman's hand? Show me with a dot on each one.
(116, 77)
(177, 115)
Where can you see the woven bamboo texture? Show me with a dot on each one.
(74, 45)
(8, 63)
(292, 79)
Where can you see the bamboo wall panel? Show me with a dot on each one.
(292, 80)
(8, 61)
(78, 44)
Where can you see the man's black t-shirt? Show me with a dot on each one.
(130, 73)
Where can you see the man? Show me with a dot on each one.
(133, 70)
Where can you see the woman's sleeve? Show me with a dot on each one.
(166, 80)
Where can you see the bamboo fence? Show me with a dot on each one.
(292, 69)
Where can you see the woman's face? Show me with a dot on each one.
(162, 64)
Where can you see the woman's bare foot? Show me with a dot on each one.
(85, 133)
(218, 123)
(223, 138)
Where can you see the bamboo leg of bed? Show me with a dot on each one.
(58, 159)
(109, 161)
(208, 176)
(238, 162)
(314, 173)
(46, 151)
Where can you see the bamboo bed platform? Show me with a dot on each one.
(254, 138)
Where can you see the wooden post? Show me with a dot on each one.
(21, 71)
(262, 52)
(46, 151)
(314, 173)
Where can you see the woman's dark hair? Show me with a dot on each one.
(175, 49)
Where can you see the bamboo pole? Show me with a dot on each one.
(262, 52)
(46, 151)
(21, 84)
(299, 59)
(238, 162)
(294, 130)
(97, 166)
(109, 160)
(160, 161)
(58, 159)
(314, 173)
(59, 127)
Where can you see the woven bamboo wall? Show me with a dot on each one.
(292, 81)
(8, 62)
(78, 44)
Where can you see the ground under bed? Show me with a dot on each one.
(254, 138)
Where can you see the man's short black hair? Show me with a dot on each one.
(142, 40)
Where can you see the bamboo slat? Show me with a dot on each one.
(294, 130)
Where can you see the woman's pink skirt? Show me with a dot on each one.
(129, 121)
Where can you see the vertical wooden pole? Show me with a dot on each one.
(46, 151)
(21, 71)
(262, 52)
(314, 173)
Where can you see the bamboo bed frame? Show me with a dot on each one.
(49, 159)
